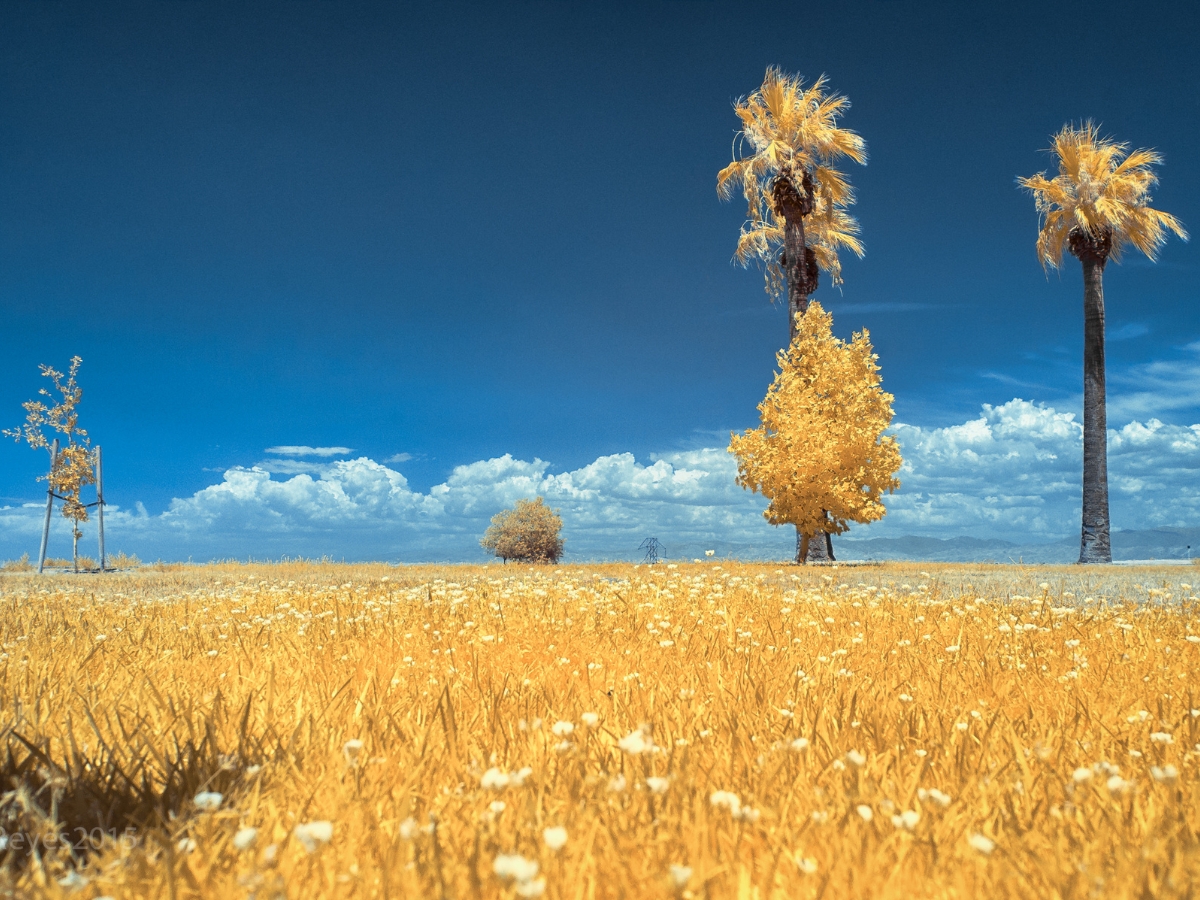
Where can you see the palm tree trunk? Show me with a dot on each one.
(800, 268)
(1094, 546)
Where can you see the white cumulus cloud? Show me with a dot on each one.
(303, 450)
(1013, 472)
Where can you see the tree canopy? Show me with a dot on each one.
(530, 532)
(74, 466)
(820, 455)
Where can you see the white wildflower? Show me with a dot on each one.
(799, 744)
(856, 758)
(245, 838)
(590, 719)
(618, 784)
(865, 811)
(933, 795)
(531, 888)
(208, 800)
(562, 728)
(1081, 775)
(313, 834)
(1117, 785)
(494, 779)
(982, 843)
(1165, 773)
(514, 867)
(657, 784)
(727, 800)
(680, 876)
(555, 838)
(352, 750)
(635, 742)
(1161, 737)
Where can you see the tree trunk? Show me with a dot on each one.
(802, 545)
(800, 269)
(1094, 546)
(49, 507)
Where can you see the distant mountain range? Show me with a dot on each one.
(1156, 543)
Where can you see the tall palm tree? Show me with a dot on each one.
(796, 219)
(1095, 207)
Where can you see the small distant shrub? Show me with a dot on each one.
(19, 565)
(56, 563)
(86, 562)
(527, 533)
(123, 561)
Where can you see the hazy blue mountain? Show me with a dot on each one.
(1156, 543)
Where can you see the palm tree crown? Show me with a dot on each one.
(794, 139)
(1099, 199)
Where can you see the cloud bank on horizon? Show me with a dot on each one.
(1012, 473)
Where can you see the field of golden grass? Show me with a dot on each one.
(710, 730)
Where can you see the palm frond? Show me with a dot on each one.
(1101, 190)
(789, 129)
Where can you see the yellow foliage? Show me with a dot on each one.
(327, 731)
(820, 455)
(792, 130)
(1099, 191)
(74, 467)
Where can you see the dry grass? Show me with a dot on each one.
(18, 565)
(738, 731)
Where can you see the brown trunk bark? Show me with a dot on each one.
(802, 545)
(800, 269)
(1094, 546)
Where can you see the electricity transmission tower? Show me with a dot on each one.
(652, 547)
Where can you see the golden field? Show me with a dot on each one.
(695, 730)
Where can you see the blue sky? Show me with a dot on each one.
(441, 237)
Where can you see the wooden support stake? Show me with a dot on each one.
(100, 507)
(49, 507)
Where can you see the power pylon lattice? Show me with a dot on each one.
(652, 548)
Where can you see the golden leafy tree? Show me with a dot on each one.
(796, 218)
(1096, 206)
(820, 455)
(530, 532)
(73, 468)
